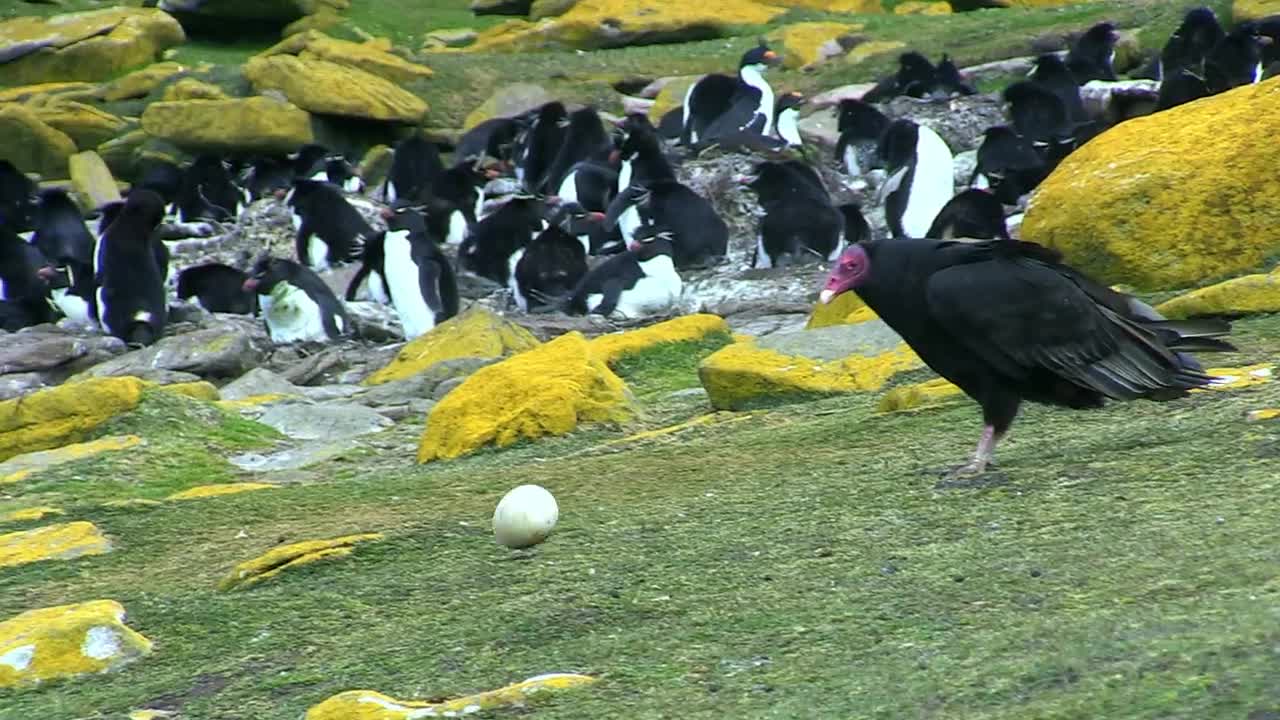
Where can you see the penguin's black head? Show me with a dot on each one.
(897, 146)
(650, 241)
(268, 272)
(308, 154)
(552, 113)
(913, 63)
(856, 227)
(1200, 16)
(1102, 35)
(143, 207)
(575, 219)
(861, 120)
(1050, 68)
(585, 119)
(56, 201)
(789, 100)
(638, 134)
(760, 57)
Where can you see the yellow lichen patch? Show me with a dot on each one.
(62, 541)
(615, 346)
(870, 49)
(836, 312)
(546, 391)
(31, 144)
(86, 46)
(1125, 209)
(369, 56)
(257, 124)
(370, 705)
(65, 641)
(712, 418)
(60, 415)
(189, 88)
(26, 92)
(257, 402)
(911, 397)
(671, 96)
(1239, 377)
(742, 374)
(139, 83)
(149, 714)
(1263, 414)
(21, 467)
(132, 503)
(29, 514)
(921, 7)
(809, 43)
(324, 87)
(198, 390)
(91, 178)
(476, 333)
(277, 560)
(866, 7)
(204, 491)
(86, 125)
(1242, 10)
(1237, 296)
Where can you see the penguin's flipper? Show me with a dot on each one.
(612, 294)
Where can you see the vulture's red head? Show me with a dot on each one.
(851, 270)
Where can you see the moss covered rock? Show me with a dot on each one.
(31, 144)
(370, 56)
(87, 46)
(189, 88)
(546, 391)
(687, 328)
(1237, 296)
(22, 467)
(62, 541)
(808, 44)
(1254, 9)
(276, 560)
(327, 88)
(922, 7)
(140, 83)
(476, 333)
(1198, 204)
(593, 24)
(91, 178)
(807, 363)
(23, 93)
(65, 641)
(86, 125)
(32, 513)
(508, 101)
(61, 415)
(937, 391)
(256, 124)
(866, 7)
(370, 705)
(846, 309)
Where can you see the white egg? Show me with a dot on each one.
(525, 517)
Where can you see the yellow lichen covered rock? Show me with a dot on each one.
(67, 640)
(867, 7)
(22, 93)
(31, 513)
(31, 144)
(846, 309)
(189, 88)
(615, 346)
(1198, 205)
(22, 467)
(546, 391)
(804, 364)
(1254, 9)
(257, 124)
(926, 394)
(197, 390)
(862, 51)
(476, 333)
(91, 178)
(922, 7)
(277, 560)
(807, 44)
(87, 126)
(56, 416)
(370, 705)
(1237, 296)
(328, 88)
(508, 101)
(369, 56)
(206, 491)
(85, 46)
(593, 24)
(1235, 378)
(62, 541)
(139, 83)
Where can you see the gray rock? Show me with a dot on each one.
(325, 393)
(844, 92)
(869, 338)
(446, 387)
(48, 348)
(820, 127)
(422, 385)
(959, 120)
(963, 165)
(452, 37)
(375, 321)
(220, 351)
(258, 381)
(693, 392)
(19, 384)
(293, 458)
(330, 421)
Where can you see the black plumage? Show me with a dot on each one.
(131, 275)
(208, 192)
(1008, 164)
(800, 224)
(1092, 54)
(330, 230)
(1189, 45)
(585, 139)
(487, 251)
(973, 214)
(217, 288)
(541, 144)
(17, 198)
(415, 165)
(1006, 321)
(699, 235)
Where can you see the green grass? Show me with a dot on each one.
(799, 562)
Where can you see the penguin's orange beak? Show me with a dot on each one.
(596, 216)
(250, 285)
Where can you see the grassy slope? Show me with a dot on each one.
(799, 562)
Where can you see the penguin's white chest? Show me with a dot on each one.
(932, 185)
(656, 292)
(406, 294)
(457, 231)
(292, 316)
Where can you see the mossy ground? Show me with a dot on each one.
(803, 561)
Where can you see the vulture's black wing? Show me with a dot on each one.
(1022, 315)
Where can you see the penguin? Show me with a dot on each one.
(671, 124)
(267, 175)
(921, 177)
(330, 230)
(751, 105)
(542, 144)
(217, 288)
(916, 77)
(17, 198)
(786, 124)
(454, 202)
(1190, 44)
(584, 139)
(856, 227)
(552, 264)
(639, 282)
(415, 164)
(1040, 117)
(589, 183)
(24, 292)
(131, 296)
(418, 276)
(800, 224)
(370, 281)
(1007, 165)
(698, 235)
(1092, 55)
(706, 99)
(975, 214)
(1179, 87)
(488, 250)
(860, 126)
(68, 245)
(315, 162)
(493, 138)
(949, 79)
(208, 192)
(165, 178)
(1051, 71)
(296, 304)
(1236, 60)
(640, 161)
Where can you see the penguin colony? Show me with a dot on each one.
(600, 222)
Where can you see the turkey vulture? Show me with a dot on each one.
(1006, 321)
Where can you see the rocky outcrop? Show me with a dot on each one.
(807, 44)
(501, 7)
(31, 144)
(139, 83)
(475, 333)
(189, 88)
(53, 354)
(804, 364)
(373, 56)
(32, 513)
(1238, 296)
(1242, 10)
(226, 350)
(92, 179)
(509, 101)
(86, 46)
(549, 390)
(256, 124)
(1196, 206)
(937, 391)
(370, 705)
(327, 88)
(64, 414)
(61, 642)
(62, 541)
(228, 13)
(271, 564)
(86, 125)
(327, 421)
(23, 467)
